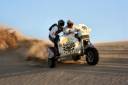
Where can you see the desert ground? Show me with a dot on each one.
(112, 68)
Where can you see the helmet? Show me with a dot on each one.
(61, 22)
(69, 23)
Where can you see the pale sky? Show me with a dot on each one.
(108, 19)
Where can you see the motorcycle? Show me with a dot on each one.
(74, 46)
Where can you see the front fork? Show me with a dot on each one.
(84, 45)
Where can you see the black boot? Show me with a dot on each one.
(51, 62)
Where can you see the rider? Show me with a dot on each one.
(55, 29)
(69, 29)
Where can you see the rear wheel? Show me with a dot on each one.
(92, 56)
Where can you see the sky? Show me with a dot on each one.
(108, 19)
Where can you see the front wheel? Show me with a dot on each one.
(92, 56)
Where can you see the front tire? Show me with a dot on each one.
(92, 56)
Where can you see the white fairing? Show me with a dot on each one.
(83, 29)
(69, 45)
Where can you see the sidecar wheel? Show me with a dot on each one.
(92, 56)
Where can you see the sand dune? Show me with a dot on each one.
(118, 45)
(117, 49)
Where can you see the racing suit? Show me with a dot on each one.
(54, 37)
(72, 30)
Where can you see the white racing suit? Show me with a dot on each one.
(70, 31)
